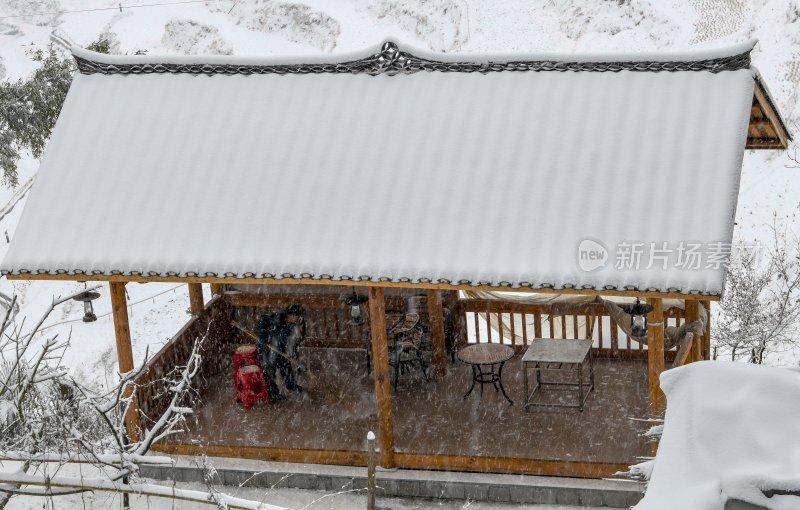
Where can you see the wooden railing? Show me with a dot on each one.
(494, 321)
(327, 319)
(151, 398)
(328, 322)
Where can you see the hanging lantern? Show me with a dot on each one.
(87, 297)
(354, 302)
(638, 312)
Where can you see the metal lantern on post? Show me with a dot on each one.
(354, 302)
(638, 312)
(88, 311)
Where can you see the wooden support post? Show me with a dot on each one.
(461, 333)
(655, 356)
(436, 323)
(383, 387)
(216, 289)
(196, 303)
(707, 336)
(119, 309)
(458, 316)
(691, 314)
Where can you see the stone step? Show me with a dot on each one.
(409, 483)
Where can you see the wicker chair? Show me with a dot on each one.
(405, 346)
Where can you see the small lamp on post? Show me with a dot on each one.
(638, 312)
(88, 311)
(354, 302)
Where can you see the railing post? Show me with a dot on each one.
(371, 471)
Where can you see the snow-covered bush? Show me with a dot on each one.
(294, 22)
(192, 38)
(48, 420)
(442, 24)
(759, 311)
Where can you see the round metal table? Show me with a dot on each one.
(487, 362)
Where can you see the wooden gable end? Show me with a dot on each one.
(766, 129)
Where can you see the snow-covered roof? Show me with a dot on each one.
(365, 169)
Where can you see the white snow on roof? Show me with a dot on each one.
(322, 58)
(473, 178)
(728, 434)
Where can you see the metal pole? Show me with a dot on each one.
(371, 471)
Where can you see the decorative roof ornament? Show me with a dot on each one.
(392, 60)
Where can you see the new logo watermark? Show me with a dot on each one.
(684, 255)
(591, 255)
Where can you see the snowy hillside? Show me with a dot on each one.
(270, 27)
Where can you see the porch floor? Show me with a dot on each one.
(337, 409)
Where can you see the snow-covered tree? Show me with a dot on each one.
(29, 107)
(760, 308)
(49, 421)
(793, 153)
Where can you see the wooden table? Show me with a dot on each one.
(558, 354)
(488, 356)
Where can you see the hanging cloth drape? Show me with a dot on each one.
(680, 336)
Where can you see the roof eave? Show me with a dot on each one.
(648, 293)
(764, 99)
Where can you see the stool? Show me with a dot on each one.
(251, 386)
(244, 355)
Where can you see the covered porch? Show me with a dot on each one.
(431, 424)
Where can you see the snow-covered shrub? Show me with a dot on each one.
(48, 420)
(442, 24)
(294, 22)
(715, 23)
(759, 311)
(48, 8)
(192, 38)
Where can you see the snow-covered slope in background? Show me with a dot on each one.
(270, 27)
